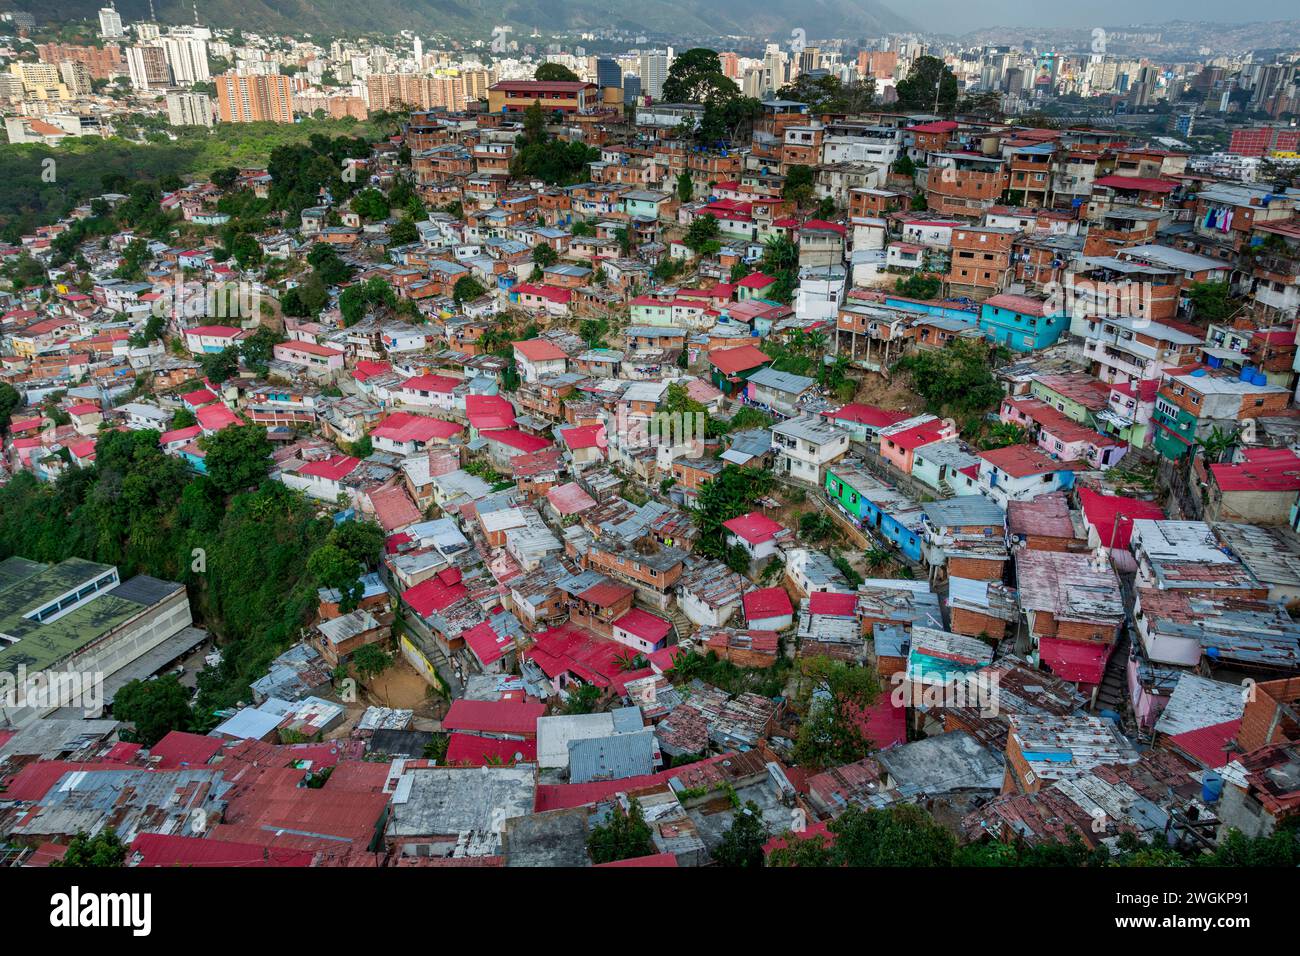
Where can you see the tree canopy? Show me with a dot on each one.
(928, 76)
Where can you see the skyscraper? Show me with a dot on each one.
(252, 98)
(186, 49)
(110, 23)
(189, 109)
(654, 70)
(147, 66)
(608, 73)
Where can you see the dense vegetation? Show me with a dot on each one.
(905, 835)
(45, 183)
(243, 556)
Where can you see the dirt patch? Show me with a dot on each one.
(889, 393)
(400, 687)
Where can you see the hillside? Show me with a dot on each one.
(476, 17)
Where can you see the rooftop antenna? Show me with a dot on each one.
(196, 13)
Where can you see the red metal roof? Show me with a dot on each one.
(644, 625)
(515, 438)
(584, 436)
(433, 595)
(332, 468)
(166, 849)
(1101, 512)
(1136, 182)
(1265, 469)
(606, 593)
(489, 411)
(539, 350)
(754, 527)
(561, 796)
(767, 602)
(494, 716)
(1081, 662)
(482, 751)
(657, 860)
(738, 359)
(405, 426)
(430, 383)
(833, 604)
(1020, 461)
(488, 646)
(1207, 745)
(179, 749)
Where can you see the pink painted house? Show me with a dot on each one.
(899, 442)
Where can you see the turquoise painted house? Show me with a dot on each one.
(1021, 323)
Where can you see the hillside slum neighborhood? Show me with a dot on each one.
(647, 458)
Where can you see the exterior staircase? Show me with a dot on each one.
(1113, 694)
(682, 626)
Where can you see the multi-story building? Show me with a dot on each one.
(555, 96)
(189, 109)
(246, 98)
(1190, 406)
(147, 67)
(804, 446)
(981, 259)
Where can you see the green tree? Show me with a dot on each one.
(593, 332)
(582, 700)
(623, 836)
(237, 457)
(781, 262)
(362, 541)
(834, 699)
(1211, 301)
(696, 77)
(685, 187)
(731, 494)
(555, 72)
(156, 708)
(798, 185)
(334, 568)
(103, 850)
(10, 401)
(467, 289)
(370, 204)
(356, 300)
(219, 366)
(183, 418)
(545, 255)
(327, 263)
(702, 235)
(371, 660)
(816, 526)
(902, 835)
(404, 232)
(742, 843)
(956, 378)
(928, 86)
(828, 94)
(919, 286)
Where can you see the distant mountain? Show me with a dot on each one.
(754, 18)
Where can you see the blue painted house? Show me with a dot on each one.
(1021, 323)
(875, 506)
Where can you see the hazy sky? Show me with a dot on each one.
(961, 15)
